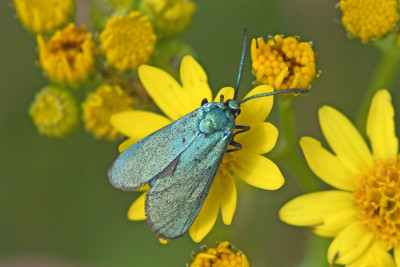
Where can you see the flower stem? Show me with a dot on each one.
(383, 77)
(288, 149)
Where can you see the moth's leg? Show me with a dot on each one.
(204, 101)
(221, 98)
(242, 129)
(236, 145)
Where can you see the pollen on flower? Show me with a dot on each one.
(369, 19)
(43, 15)
(100, 105)
(283, 62)
(55, 112)
(377, 197)
(128, 41)
(221, 256)
(69, 55)
(170, 17)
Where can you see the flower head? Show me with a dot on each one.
(55, 112)
(221, 256)
(128, 41)
(170, 17)
(43, 15)
(177, 100)
(369, 19)
(69, 55)
(363, 214)
(283, 62)
(100, 105)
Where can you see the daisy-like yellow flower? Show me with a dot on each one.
(170, 17)
(177, 100)
(221, 256)
(283, 62)
(128, 41)
(363, 213)
(100, 105)
(369, 19)
(55, 112)
(43, 15)
(69, 55)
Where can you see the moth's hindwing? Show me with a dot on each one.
(148, 157)
(174, 201)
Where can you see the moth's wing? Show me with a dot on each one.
(174, 201)
(155, 153)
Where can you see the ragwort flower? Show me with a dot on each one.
(42, 16)
(128, 41)
(369, 19)
(100, 105)
(221, 256)
(176, 101)
(69, 55)
(363, 214)
(283, 62)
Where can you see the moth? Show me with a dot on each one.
(179, 161)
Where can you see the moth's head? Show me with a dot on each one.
(233, 107)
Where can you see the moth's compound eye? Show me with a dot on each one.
(206, 126)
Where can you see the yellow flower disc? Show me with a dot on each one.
(100, 105)
(283, 62)
(55, 112)
(377, 196)
(128, 41)
(369, 19)
(170, 17)
(69, 55)
(221, 256)
(43, 15)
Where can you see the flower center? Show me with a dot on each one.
(229, 160)
(377, 196)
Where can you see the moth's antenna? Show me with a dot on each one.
(297, 91)
(244, 48)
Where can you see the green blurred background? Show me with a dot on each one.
(56, 205)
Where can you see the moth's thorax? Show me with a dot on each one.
(217, 117)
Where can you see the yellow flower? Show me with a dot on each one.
(55, 112)
(363, 214)
(283, 62)
(221, 256)
(176, 101)
(170, 17)
(69, 55)
(43, 15)
(100, 105)
(369, 19)
(128, 41)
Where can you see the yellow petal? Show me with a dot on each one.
(207, 216)
(326, 165)
(260, 139)
(127, 143)
(194, 81)
(136, 211)
(380, 127)
(396, 252)
(335, 222)
(228, 93)
(375, 256)
(168, 95)
(345, 140)
(312, 209)
(256, 110)
(228, 196)
(350, 244)
(138, 124)
(258, 171)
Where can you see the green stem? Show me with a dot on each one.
(383, 77)
(288, 148)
